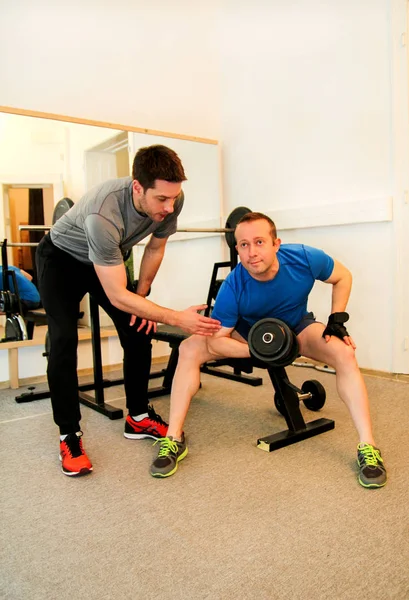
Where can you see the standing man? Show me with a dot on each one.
(274, 280)
(83, 252)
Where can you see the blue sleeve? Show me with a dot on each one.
(226, 309)
(321, 265)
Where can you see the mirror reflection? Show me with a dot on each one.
(44, 160)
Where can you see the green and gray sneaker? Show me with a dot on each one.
(372, 473)
(170, 453)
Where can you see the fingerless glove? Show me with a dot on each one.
(335, 325)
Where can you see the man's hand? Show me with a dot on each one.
(336, 327)
(190, 321)
(150, 325)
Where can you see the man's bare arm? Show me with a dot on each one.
(151, 261)
(341, 279)
(226, 343)
(113, 280)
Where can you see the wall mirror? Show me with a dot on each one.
(46, 157)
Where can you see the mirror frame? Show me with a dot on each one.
(55, 117)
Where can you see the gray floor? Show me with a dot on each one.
(233, 522)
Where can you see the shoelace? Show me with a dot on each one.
(74, 445)
(166, 446)
(154, 416)
(371, 455)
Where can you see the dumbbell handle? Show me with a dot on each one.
(302, 397)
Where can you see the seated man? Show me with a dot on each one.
(29, 295)
(275, 281)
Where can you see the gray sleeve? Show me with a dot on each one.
(103, 241)
(169, 225)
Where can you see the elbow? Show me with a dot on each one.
(116, 300)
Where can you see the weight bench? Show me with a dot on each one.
(287, 396)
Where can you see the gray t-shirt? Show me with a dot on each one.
(104, 224)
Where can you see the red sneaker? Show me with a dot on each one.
(152, 426)
(74, 461)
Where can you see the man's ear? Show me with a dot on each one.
(277, 243)
(137, 188)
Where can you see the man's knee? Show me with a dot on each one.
(345, 357)
(193, 348)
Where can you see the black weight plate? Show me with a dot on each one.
(22, 325)
(61, 208)
(12, 329)
(267, 340)
(291, 354)
(318, 394)
(270, 340)
(231, 223)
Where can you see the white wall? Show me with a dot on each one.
(313, 108)
(146, 64)
(309, 100)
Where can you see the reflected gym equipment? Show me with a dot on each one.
(15, 328)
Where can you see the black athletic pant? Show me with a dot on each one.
(63, 281)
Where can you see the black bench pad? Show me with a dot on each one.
(167, 333)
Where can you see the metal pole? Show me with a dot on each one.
(22, 244)
(34, 227)
(202, 230)
(182, 230)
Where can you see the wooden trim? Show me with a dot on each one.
(43, 115)
(13, 368)
(18, 383)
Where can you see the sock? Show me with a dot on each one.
(140, 417)
(62, 437)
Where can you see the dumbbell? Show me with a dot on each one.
(312, 393)
(276, 345)
(272, 341)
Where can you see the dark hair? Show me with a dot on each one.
(157, 162)
(256, 216)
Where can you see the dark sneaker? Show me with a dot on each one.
(152, 426)
(372, 473)
(73, 459)
(170, 453)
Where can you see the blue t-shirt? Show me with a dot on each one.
(283, 297)
(26, 290)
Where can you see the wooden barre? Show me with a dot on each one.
(33, 228)
(182, 230)
(22, 244)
